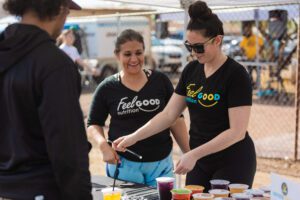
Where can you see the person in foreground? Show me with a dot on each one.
(217, 91)
(43, 146)
(132, 97)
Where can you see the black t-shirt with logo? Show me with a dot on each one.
(209, 98)
(129, 110)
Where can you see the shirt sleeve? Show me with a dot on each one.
(99, 109)
(240, 89)
(64, 133)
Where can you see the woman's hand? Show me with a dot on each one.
(186, 163)
(109, 155)
(122, 143)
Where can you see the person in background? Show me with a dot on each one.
(249, 45)
(131, 98)
(217, 91)
(43, 146)
(66, 41)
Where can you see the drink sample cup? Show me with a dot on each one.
(181, 194)
(266, 189)
(237, 188)
(203, 196)
(219, 192)
(109, 194)
(255, 192)
(242, 196)
(224, 198)
(219, 184)
(195, 188)
(164, 186)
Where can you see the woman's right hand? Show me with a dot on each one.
(109, 155)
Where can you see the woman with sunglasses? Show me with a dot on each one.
(132, 97)
(217, 91)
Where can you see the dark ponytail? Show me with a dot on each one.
(204, 20)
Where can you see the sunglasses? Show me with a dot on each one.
(198, 47)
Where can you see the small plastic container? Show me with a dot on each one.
(242, 196)
(219, 192)
(255, 192)
(181, 194)
(195, 188)
(219, 184)
(237, 188)
(203, 196)
(164, 187)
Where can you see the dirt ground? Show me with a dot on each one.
(287, 167)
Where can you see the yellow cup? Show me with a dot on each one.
(195, 188)
(237, 188)
(109, 194)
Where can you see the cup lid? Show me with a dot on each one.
(254, 192)
(194, 187)
(241, 195)
(181, 191)
(202, 195)
(165, 179)
(238, 185)
(218, 191)
(110, 190)
(219, 182)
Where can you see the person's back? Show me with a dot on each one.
(44, 150)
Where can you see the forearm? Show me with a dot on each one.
(96, 135)
(180, 133)
(219, 143)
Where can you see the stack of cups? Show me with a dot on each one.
(164, 186)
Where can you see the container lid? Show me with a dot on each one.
(238, 185)
(194, 187)
(181, 191)
(165, 179)
(218, 191)
(219, 182)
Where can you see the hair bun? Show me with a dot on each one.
(199, 10)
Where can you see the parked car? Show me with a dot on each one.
(231, 45)
(165, 55)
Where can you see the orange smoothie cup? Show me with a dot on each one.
(195, 188)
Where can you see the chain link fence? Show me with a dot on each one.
(263, 39)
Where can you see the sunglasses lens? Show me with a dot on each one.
(199, 48)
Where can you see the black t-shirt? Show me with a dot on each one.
(208, 99)
(129, 110)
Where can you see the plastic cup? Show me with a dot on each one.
(203, 196)
(181, 194)
(266, 189)
(164, 186)
(195, 188)
(219, 184)
(109, 194)
(224, 198)
(219, 192)
(242, 196)
(237, 188)
(255, 192)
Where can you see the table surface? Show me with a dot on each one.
(129, 189)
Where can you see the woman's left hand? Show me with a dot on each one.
(186, 163)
